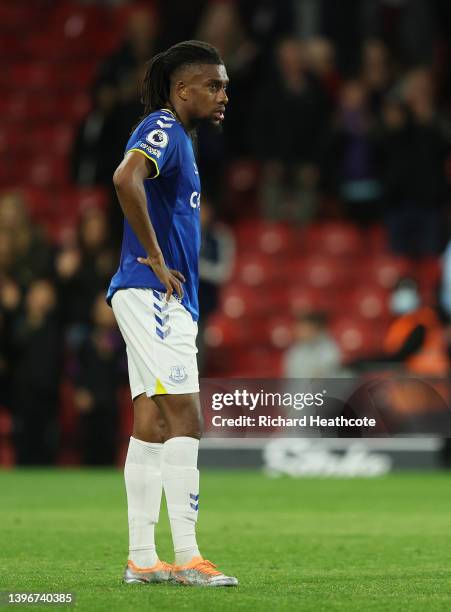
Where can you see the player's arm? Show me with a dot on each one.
(128, 181)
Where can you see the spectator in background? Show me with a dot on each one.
(344, 24)
(30, 255)
(215, 265)
(445, 294)
(95, 145)
(415, 337)
(10, 300)
(376, 73)
(4, 363)
(137, 48)
(36, 375)
(293, 108)
(350, 166)
(320, 57)
(221, 27)
(415, 340)
(24, 256)
(100, 142)
(172, 31)
(83, 271)
(267, 22)
(126, 113)
(414, 30)
(6, 255)
(100, 375)
(128, 110)
(314, 353)
(414, 149)
(102, 137)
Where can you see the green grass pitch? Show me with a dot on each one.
(314, 544)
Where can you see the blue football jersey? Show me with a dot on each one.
(173, 202)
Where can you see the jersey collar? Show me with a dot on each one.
(170, 112)
(167, 110)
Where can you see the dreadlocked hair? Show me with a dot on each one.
(157, 80)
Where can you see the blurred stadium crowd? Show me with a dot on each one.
(325, 212)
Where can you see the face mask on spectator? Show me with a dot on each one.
(404, 300)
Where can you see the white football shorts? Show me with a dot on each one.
(161, 342)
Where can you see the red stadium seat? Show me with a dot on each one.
(333, 238)
(238, 301)
(221, 331)
(43, 47)
(12, 140)
(68, 419)
(68, 414)
(318, 271)
(5, 174)
(82, 199)
(429, 272)
(44, 171)
(274, 298)
(247, 233)
(76, 76)
(255, 363)
(11, 48)
(370, 302)
(39, 76)
(242, 176)
(280, 331)
(42, 76)
(64, 208)
(74, 19)
(304, 298)
(383, 270)
(46, 48)
(276, 238)
(6, 422)
(376, 240)
(40, 202)
(219, 360)
(7, 452)
(356, 337)
(74, 106)
(55, 139)
(256, 269)
(101, 43)
(13, 106)
(26, 107)
(17, 16)
(241, 185)
(265, 237)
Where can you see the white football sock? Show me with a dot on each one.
(181, 486)
(142, 474)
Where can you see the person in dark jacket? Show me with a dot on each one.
(101, 370)
(36, 375)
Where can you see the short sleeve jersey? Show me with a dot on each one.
(173, 202)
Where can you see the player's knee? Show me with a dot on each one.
(150, 432)
(189, 426)
(186, 430)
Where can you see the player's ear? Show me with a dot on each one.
(181, 90)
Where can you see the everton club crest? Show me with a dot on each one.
(178, 374)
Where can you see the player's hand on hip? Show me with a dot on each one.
(171, 279)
